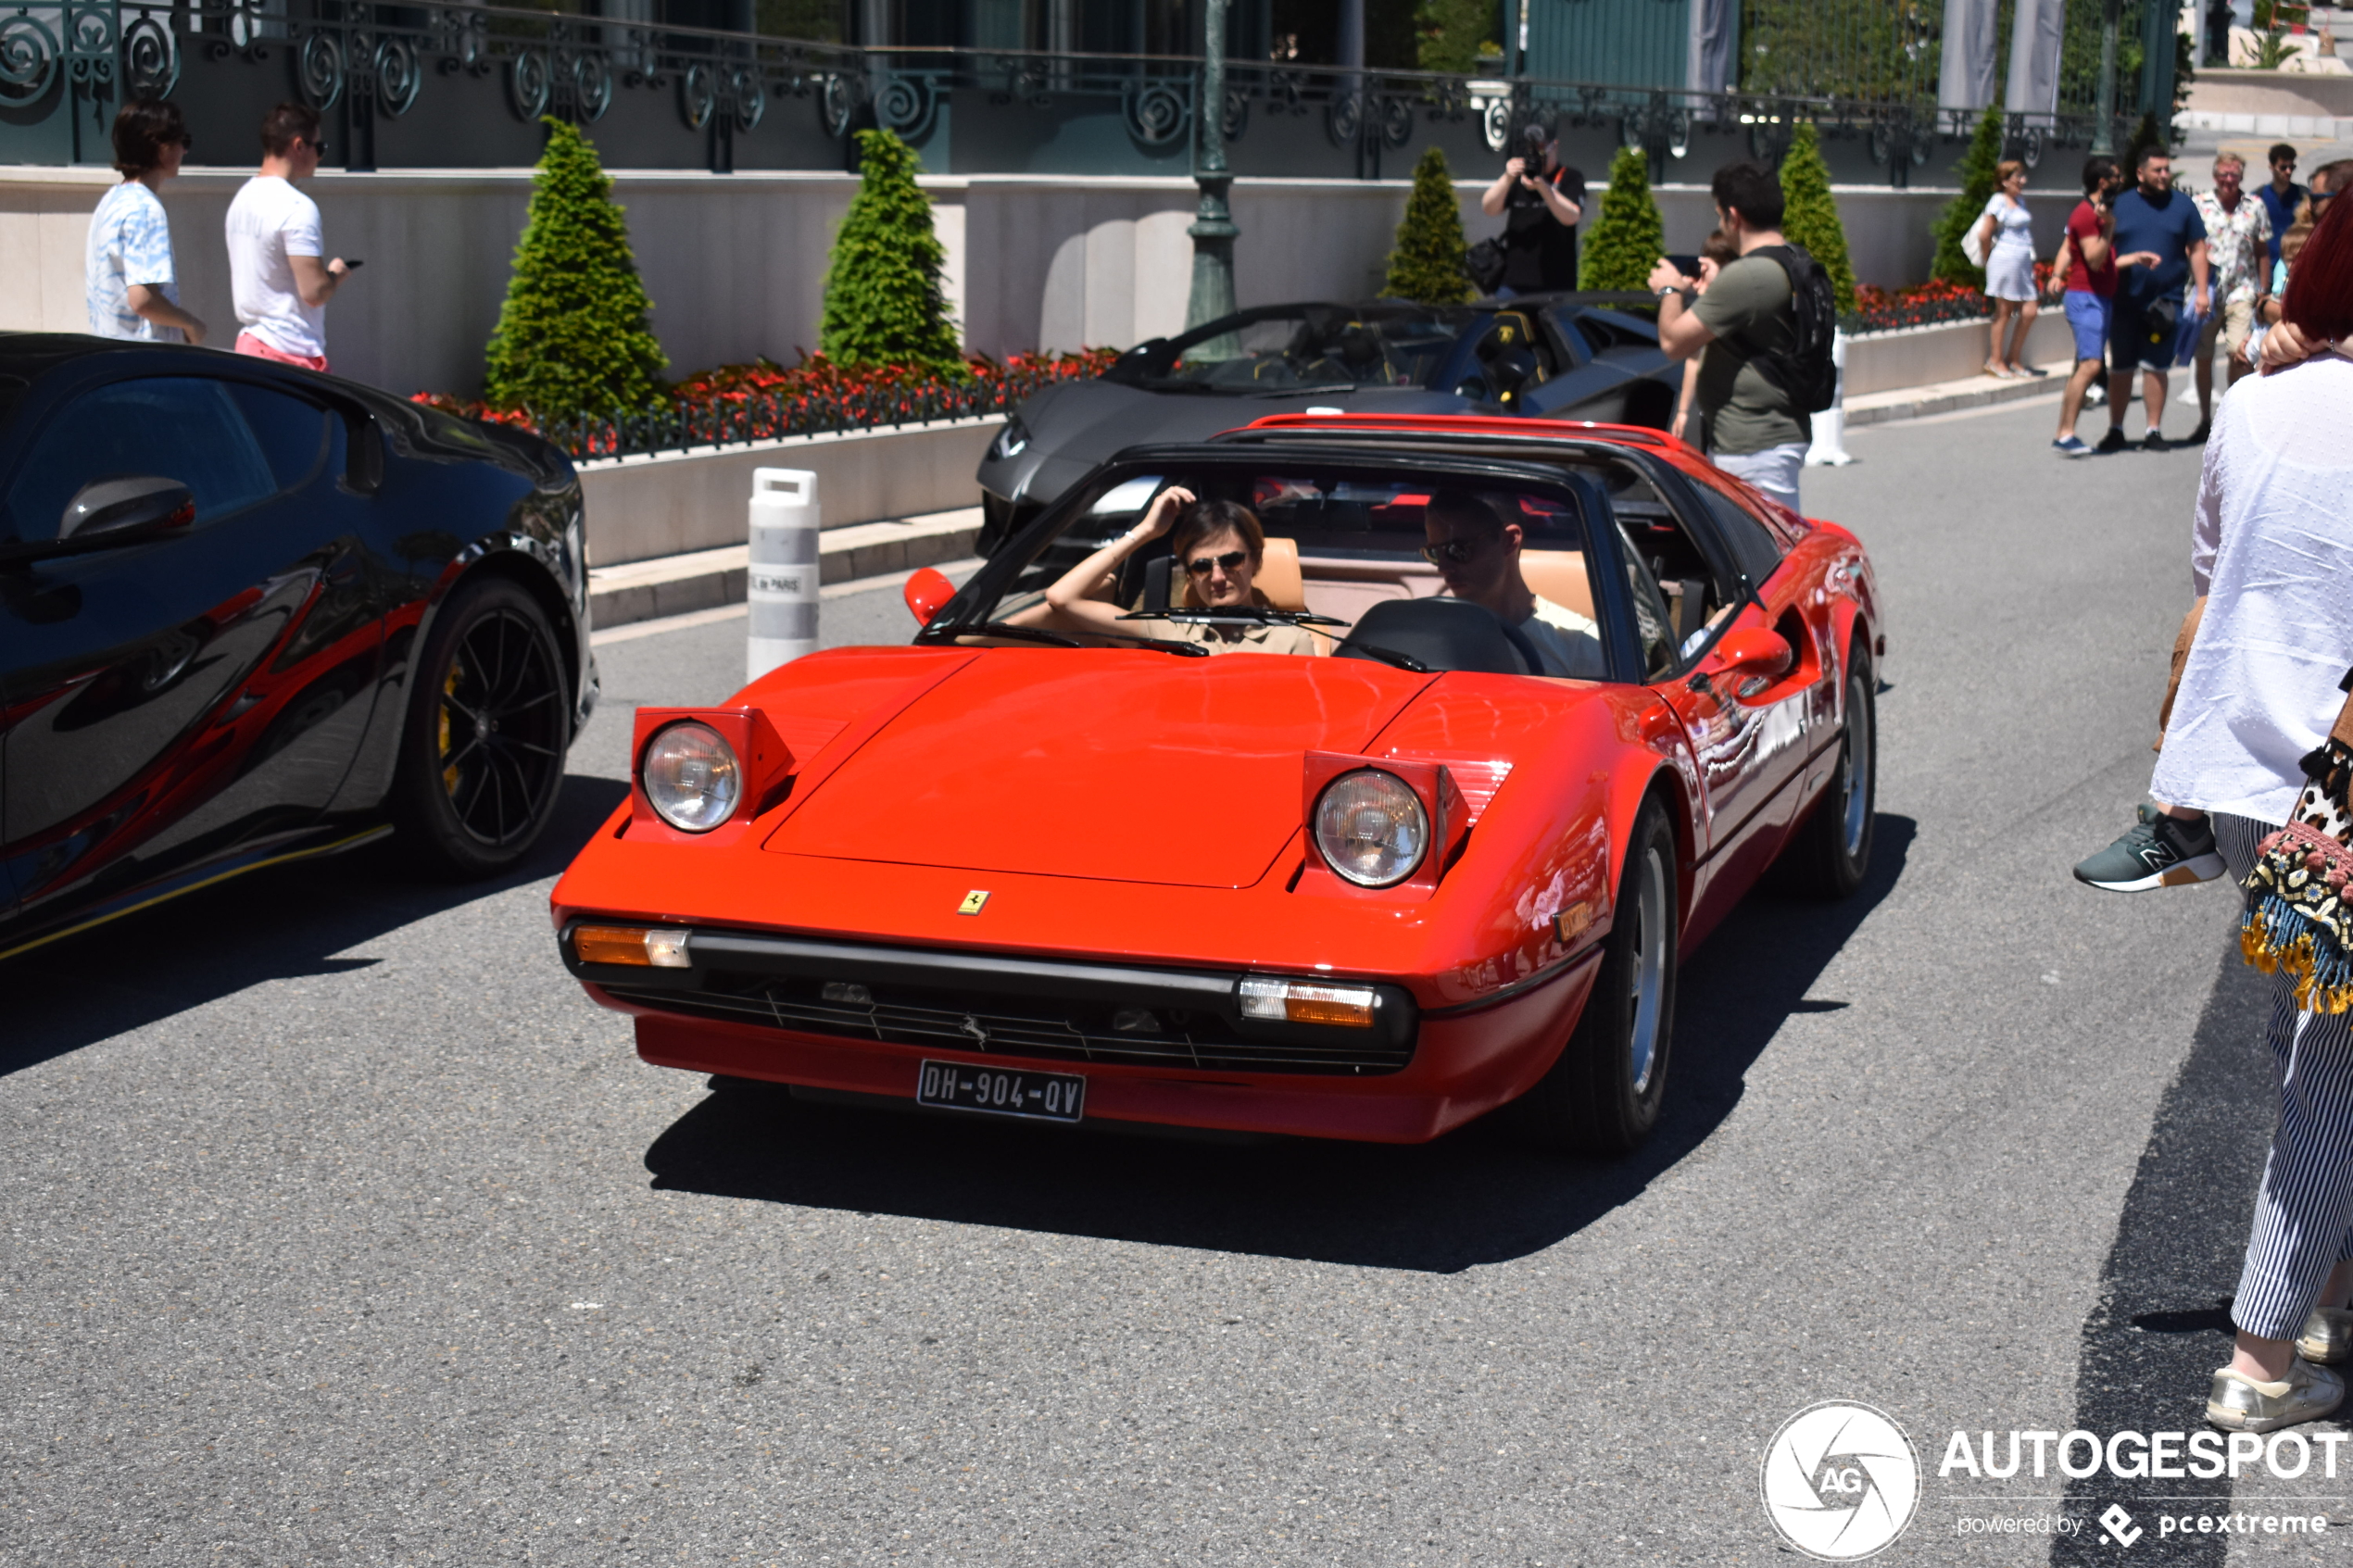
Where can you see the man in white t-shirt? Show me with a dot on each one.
(1478, 552)
(276, 277)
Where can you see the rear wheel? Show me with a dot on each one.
(1831, 853)
(1603, 1096)
(482, 755)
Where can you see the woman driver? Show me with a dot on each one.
(1220, 546)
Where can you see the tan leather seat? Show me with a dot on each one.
(1559, 575)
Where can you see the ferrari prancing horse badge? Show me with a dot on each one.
(973, 902)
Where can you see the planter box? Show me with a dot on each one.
(677, 503)
(1921, 356)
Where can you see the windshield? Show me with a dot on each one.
(1342, 547)
(1301, 348)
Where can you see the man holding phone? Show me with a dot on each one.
(1541, 200)
(276, 277)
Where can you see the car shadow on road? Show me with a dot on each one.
(280, 923)
(1477, 1196)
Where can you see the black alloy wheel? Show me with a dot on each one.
(482, 755)
(1831, 852)
(1603, 1097)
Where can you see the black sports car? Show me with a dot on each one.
(1559, 355)
(249, 612)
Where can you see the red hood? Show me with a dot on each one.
(1125, 766)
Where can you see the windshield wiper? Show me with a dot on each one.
(1302, 389)
(1000, 629)
(1056, 639)
(1247, 615)
(1387, 656)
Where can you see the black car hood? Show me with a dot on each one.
(1077, 425)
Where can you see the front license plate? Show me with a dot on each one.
(1047, 1097)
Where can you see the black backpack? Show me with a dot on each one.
(1804, 370)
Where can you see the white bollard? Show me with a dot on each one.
(782, 583)
(1830, 426)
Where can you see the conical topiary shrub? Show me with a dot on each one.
(885, 304)
(1809, 213)
(1628, 238)
(572, 336)
(1976, 173)
(1427, 264)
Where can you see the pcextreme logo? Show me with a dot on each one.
(1841, 1481)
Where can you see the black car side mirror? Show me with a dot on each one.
(123, 511)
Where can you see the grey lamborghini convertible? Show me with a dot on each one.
(1563, 356)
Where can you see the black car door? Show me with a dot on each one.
(171, 701)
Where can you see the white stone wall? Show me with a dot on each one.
(736, 263)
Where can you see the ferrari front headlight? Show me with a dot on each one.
(1371, 828)
(691, 777)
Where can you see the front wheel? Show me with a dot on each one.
(1603, 1096)
(482, 755)
(1831, 853)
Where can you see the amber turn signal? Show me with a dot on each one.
(631, 944)
(1307, 1001)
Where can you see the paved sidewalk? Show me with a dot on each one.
(671, 585)
(1942, 398)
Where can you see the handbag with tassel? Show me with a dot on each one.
(2298, 917)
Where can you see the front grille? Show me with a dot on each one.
(1037, 1027)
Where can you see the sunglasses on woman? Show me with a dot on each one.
(1200, 566)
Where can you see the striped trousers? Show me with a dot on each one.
(2304, 1214)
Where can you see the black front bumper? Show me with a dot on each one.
(1047, 1009)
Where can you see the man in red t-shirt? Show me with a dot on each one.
(2091, 265)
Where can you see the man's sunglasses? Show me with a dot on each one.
(1459, 551)
(1200, 566)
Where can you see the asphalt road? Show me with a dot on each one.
(340, 1228)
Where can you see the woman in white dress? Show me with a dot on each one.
(2006, 235)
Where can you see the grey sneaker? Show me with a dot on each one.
(2160, 851)
(2238, 1403)
(2327, 1336)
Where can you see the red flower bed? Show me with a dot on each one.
(763, 400)
(1932, 304)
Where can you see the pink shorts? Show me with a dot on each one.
(248, 343)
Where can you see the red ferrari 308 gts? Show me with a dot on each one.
(1372, 888)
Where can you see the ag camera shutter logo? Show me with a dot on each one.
(1841, 1481)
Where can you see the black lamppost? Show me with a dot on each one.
(1213, 228)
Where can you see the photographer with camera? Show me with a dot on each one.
(1541, 200)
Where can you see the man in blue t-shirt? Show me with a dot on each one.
(2160, 243)
(2281, 198)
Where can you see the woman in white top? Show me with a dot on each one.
(2273, 553)
(2007, 236)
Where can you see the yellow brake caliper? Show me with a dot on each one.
(449, 689)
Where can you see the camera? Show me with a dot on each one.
(1533, 140)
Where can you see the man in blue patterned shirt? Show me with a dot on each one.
(132, 288)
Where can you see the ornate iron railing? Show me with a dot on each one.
(783, 103)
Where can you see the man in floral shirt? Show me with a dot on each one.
(2238, 249)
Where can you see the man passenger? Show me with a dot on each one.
(1478, 554)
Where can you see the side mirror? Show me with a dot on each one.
(927, 593)
(126, 510)
(1755, 650)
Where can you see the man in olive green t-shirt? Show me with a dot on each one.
(1750, 427)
